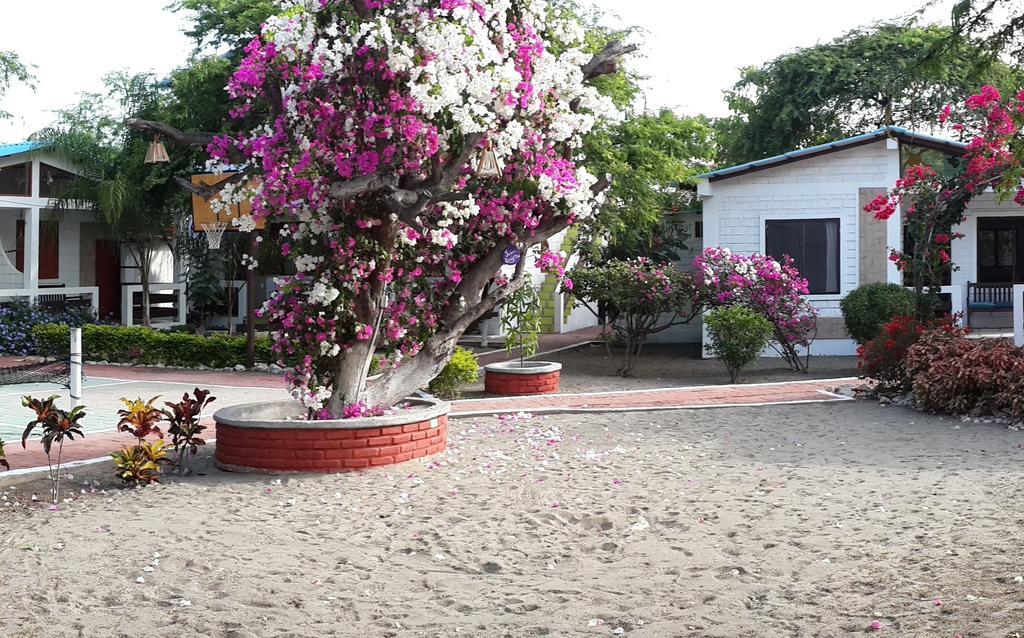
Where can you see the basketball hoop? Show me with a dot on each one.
(214, 232)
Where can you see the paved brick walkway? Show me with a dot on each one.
(663, 399)
(99, 445)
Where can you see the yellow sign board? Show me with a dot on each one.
(203, 213)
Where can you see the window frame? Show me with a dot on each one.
(28, 178)
(813, 217)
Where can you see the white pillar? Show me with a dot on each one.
(75, 383)
(894, 226)
(30, 258)
(1018, 315)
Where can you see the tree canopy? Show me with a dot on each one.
(12, 70)
(653, 160)
(888, 74)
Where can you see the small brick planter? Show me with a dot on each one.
(509, 378)
(267, 437)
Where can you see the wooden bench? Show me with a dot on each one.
(988, 297)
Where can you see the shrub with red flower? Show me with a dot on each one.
(884, 359)
(933, 204)
(762, 284)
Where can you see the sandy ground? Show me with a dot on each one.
(590, 369)
(811, 520)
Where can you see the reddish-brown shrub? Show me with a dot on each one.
(957, 375)
(884, 357)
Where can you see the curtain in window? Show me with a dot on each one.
(832, 255)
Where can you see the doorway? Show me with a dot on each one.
(108, 279)
(1001, 250)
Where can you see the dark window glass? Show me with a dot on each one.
(16, 180)
(698, 230)
(987, 248)
(52, 180)
(813, 244)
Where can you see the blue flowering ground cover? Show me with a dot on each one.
(18, 318)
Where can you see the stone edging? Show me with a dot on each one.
(275, 416)
(531, 367)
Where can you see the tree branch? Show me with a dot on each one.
(209, 191)
(605, 61)
(362, 10)
(362, 185)
(171, 133)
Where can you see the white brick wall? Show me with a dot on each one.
(735, 209)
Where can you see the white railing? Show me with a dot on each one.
(180, 304)
(33, 294)
(1018, 314)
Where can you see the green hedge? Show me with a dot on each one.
(120, 344)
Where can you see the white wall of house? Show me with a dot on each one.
(823, 187)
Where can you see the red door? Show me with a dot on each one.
(108, 278)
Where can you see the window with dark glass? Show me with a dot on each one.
(16, 180)
(698, 230)
(52, 180)
(813, 244)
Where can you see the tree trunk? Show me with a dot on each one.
(144, 259)
(414, 373)
(350, 378)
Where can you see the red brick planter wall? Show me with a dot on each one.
(326, 450)
(520, 384)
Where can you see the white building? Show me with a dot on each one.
(809, 204)
(69, 257)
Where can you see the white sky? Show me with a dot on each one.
(692, 48)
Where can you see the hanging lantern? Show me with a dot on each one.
(156, 153)
(488, 166)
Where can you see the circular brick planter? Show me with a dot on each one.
(269, 437)
(509, 378)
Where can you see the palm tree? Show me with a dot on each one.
(141, 204)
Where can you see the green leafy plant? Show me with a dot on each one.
(140, 464)
(738, 336)
(185, 427)
(56, 425)
(521, 321)
(3, 456)
(871, 306)
(462, 369)
(121, 344)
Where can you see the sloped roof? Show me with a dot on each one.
(894, 132)
(7, 150)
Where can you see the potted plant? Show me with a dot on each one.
(521, 324)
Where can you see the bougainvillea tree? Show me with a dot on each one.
(934, 204)
(408, 145)
(760, 283)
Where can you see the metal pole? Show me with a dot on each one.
(75, 383)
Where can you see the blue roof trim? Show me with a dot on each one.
(897, 132)
(7, 150)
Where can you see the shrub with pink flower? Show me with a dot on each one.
(760, 283)
(377, 115)
(641, 297)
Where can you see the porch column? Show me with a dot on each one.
(30, 259)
